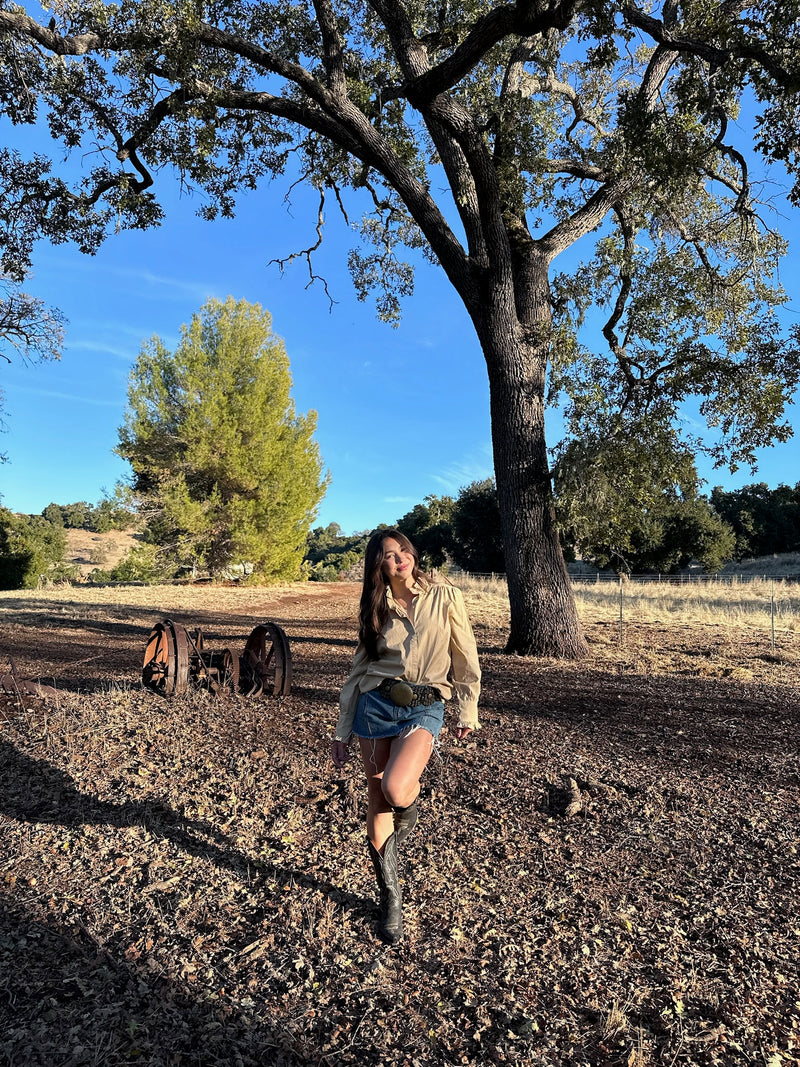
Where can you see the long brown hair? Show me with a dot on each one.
(374, 610)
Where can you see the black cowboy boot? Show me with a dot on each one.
(390, 926)
(405, 819)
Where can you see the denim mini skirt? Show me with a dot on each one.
(378, 717)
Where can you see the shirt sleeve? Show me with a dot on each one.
(348, 698)
(465, 671)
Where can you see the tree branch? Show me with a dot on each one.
(32, 329)
(333, 47)
(715, 55)
(578, 169)
(590, 214)
(307, 253)
(450, 127)
(349, 128)
(626, 285)
(127, 148)
(19, 22)
(326, 113)
(533, 83)
(526, 18)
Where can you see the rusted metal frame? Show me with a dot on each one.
(173, 657)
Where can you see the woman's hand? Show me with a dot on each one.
(461, 732)
(340, 753)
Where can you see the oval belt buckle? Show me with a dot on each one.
(401, 694)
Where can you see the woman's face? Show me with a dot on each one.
(398, 562)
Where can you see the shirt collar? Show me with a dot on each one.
(421, 585)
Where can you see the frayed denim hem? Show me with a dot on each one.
(380, 718)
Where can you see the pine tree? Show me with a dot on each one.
(224, 470)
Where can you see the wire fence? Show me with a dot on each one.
(684, 579)
(600, 577)
(767, 604)
(782, 611)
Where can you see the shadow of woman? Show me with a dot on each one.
(34, 791)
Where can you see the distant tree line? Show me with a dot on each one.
(464, 532)
(32, 547)
(675, 529)
(109, 514)
(764, 521)
(331, 555)
(461, 532)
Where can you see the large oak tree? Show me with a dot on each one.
(495, 136)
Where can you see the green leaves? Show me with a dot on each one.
(627, 498)
(225, 470)
(690, 292)
(30, 547)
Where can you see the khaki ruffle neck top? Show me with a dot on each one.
(436, 648)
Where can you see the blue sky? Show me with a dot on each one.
(402, 412)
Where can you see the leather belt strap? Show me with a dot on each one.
(406, 694)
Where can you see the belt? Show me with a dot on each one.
(406, 694)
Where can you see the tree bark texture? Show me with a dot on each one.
(544, 618)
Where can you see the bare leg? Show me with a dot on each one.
(393, 767)
(407, 760)
(380, 820)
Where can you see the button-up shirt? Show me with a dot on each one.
(436, 647)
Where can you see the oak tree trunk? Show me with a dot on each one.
(544, 618)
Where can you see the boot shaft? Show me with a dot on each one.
(405, 819)
(390, 924)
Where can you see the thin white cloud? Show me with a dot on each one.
(169, 288)
(98, 346)
(73, 398)
(117, 328)
(473, 468)
(178, 288)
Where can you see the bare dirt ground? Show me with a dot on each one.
(185, 882)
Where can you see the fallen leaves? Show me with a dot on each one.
(606, 876)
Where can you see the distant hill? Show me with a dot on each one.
(89, 550)
(782, 565)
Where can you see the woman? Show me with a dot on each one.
(416, 650)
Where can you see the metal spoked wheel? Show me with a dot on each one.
(174, 658)
(267, 662)
(166, 659)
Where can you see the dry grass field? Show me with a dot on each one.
(88, 550)
(186, 882)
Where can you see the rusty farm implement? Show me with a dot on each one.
(176, 658)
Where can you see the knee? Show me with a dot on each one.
(399, 795)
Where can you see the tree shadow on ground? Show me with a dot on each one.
(34, 791)
(65, 999)
(705, 725)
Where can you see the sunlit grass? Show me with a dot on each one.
(486, 599)
(753, 603)
(756, 603)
